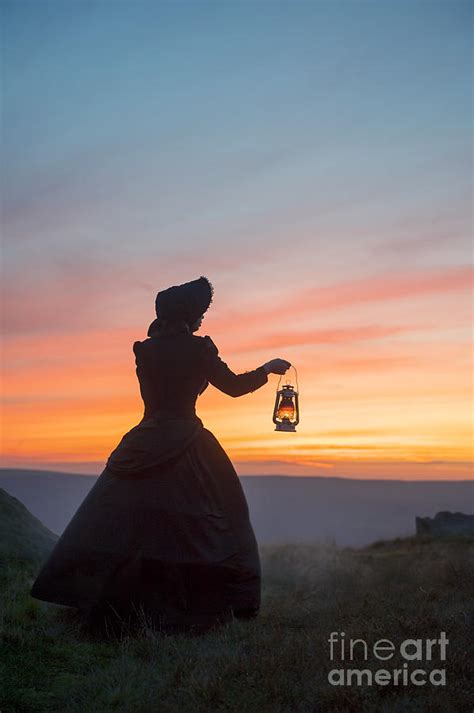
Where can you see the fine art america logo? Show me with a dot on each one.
(414, 652)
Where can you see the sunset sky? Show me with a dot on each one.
(313, 159)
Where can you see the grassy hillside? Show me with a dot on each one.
(22, 536)
(279, 662)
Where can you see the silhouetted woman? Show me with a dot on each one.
(164, 533)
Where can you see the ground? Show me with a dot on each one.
(278, 663)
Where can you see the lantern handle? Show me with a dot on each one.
(296, 377)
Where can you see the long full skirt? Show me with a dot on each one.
(172, 541)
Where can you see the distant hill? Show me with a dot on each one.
(352, 512)
(22, 536)
(283, 508)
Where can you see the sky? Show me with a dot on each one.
(313, 159)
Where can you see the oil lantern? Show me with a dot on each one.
(286, 413)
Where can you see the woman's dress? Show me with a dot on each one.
(165, 530)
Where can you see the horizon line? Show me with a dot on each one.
(267, 475)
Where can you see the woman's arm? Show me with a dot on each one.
(224, 379)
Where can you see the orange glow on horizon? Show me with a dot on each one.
(374, 397)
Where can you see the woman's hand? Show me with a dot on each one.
(276, 366)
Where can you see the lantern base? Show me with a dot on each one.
(285, 427)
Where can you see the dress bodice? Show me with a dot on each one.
(173, 370)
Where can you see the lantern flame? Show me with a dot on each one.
(286, 410)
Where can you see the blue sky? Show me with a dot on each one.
(231, 122)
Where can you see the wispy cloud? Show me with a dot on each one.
(318, 336)
(373, 289)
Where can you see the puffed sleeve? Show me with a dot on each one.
(224, 379)
(136, 348)
(136, 352)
